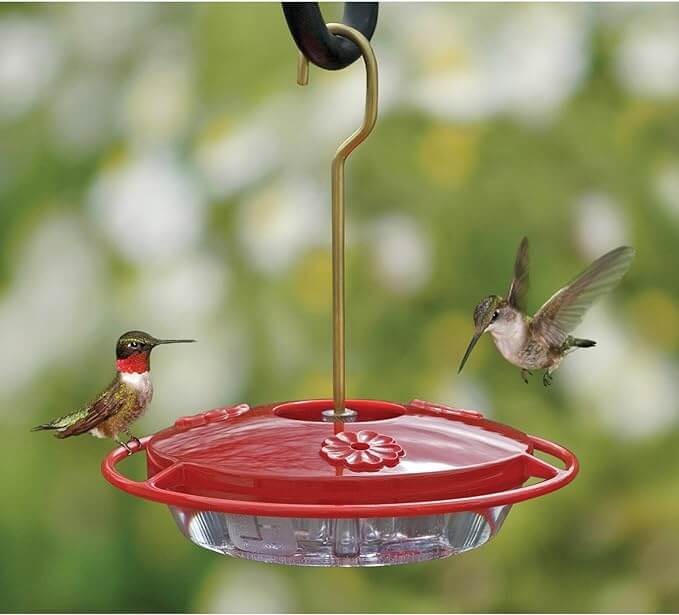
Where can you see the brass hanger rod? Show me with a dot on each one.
(337, 187)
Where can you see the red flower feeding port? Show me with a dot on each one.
(335, 483)
(362, 450)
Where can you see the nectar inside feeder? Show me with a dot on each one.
(342, 483)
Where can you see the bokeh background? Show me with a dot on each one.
(160, 169)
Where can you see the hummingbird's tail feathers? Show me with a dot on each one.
(43, 427)
(55, 424)
(582, 343)
(60, 423)
(572, 343)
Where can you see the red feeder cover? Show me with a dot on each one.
(286, 456)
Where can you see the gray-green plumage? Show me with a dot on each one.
(541, 341)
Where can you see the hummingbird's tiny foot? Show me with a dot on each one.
(524, 374)
(133, 439)
(124, 445)
(547, 379)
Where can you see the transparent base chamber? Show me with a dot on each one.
(379, 541)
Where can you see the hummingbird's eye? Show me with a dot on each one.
(495, 315)
(133, 345)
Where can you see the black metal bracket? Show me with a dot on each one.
(324, 49)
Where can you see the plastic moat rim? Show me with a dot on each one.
(403, 483)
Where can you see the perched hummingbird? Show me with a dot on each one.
(541, 342)
(123, 401)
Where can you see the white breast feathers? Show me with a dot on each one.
(141, 383)
(509, 337)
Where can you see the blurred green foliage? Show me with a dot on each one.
(610, 541)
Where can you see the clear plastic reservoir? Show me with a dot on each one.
(379, 541)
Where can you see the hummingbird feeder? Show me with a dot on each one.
(341, 482)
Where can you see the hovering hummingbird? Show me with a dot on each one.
(542, 341)
(123, 401)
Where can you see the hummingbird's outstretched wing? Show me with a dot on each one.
(110, 402)
(566, 308)
(519, 286)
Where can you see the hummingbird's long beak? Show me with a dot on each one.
(158, 342)
(475, 339)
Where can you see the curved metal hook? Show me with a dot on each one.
(313, 39)
(342, 153)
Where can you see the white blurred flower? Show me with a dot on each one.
(159, 98)
(631, 388)
(151, 208)
(392, 88)
(232, 160)
(600, 224)
(54, 303)
(454, 80)
(102, 32)
(422, 31)
(647, 60)
(528, 64)
(276, 223)
(539, 58)
(402, 253)
(30, 57)
(82, 114)
(332, 106)
(434, 37)
(182, 294)
(462, 94)
(666, 186)
(293, 130)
